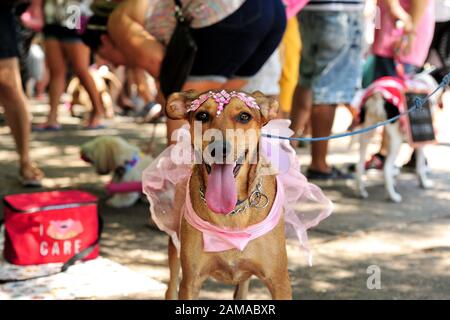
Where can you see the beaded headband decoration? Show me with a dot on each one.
(223, 98)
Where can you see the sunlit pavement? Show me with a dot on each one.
(409, 243)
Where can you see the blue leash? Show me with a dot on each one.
(418, 105)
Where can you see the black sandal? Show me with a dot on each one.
(334, 174)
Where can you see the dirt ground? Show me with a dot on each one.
(409, 243)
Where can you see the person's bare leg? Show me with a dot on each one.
(78, 55)
(42, 84)
(201, 86)
(13, 100)
(140, 79)
(234, 84)
(322, 117)
(57, 69)
(301, 109)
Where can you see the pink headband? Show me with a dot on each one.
(223, 98)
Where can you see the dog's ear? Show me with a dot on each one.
(103, 154)
(178, 103)
(269, 106)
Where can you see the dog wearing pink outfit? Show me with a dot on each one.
(229, 218)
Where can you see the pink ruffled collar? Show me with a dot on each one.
(217, 239)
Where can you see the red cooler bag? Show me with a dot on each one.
(46, 227)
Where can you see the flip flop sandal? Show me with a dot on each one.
(334, 174)
(30, 183)
(97, 127)
(46, 127)
(375, 162)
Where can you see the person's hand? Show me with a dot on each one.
(401, 15)
(404, 23)
(404, 45)
(108, 51)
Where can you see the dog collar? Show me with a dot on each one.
(223, 98)
(128, 165)
(217, 239)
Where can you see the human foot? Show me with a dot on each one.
(46, 127)
(30, 175)
(94, 123)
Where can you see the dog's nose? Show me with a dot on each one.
(220, 149)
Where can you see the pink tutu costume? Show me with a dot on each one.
(304, 204)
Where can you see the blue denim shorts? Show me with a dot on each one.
(331, 62)
(239, 45)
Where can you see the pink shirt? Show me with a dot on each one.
(387, 35)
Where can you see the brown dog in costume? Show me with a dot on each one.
(236, 186)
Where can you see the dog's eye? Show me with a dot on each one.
(243, 117)
(202, 116)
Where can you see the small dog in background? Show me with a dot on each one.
(126, 162)
(384, 99)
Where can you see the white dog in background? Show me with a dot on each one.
(376, 110)
(115, 155)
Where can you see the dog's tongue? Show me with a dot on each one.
(221, 195)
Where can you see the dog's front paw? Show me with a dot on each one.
(426, 183)
(395, 197)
